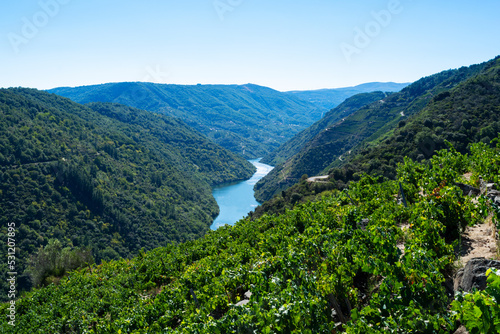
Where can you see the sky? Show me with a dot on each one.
(285, 45)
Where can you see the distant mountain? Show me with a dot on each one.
(104, 176)
(250, 120)
(372, 122)
(327, 99)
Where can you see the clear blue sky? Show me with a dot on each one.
(285, 45)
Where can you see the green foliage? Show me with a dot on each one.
(53, 261)
(341, 263)
(249, 120)
(299, 141)
(467, 114)
(480, 311)
(106, 176)
(374, 139)
(313, 149)
(486, 162)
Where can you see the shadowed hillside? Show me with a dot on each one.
(334, 143)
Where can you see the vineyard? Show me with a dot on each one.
(374, 258)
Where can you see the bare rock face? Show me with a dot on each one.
(489, 190)
(474, 274)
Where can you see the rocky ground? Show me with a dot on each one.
(479, 241)
(479, 249)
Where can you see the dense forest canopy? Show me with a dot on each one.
(247, 119)
(336, 142)
(358, 261)
(104, 176)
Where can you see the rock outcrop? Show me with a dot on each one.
(490, 190)
(468, 190)
(474, 274)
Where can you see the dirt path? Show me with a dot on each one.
(479, 241)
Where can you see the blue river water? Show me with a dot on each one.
(237, 200)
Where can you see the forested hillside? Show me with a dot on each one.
(359, 261)
(297, 143)
(465, 114)
(330, 98)
(334, 144)
(250, 120)
(105, 177)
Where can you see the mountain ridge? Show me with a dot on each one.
(365, 124)
(465, 114)
(250, 120)
(329, 98)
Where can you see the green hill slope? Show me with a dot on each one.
(465, 114)
(329, 266)
(328, 99)
(297, 143)
(249, 120)
(108, 177)
(366, 124)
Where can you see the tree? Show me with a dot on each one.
(54, 261)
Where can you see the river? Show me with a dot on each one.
(236, 200)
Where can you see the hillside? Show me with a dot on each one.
(297, 143)
(104, 176)
(357, 261)
(465, 114)
(334, 143)
(328, 99)
(249, 120)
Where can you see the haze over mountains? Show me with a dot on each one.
(331, 98)
(249, 120)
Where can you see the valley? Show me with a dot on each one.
(249, 120)
(144, 208)
(104, 177)
(236, 200)
(250, 167)
(332, 264)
